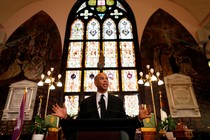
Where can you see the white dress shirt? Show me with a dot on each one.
(98, 97)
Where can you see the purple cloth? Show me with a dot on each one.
(20, 119)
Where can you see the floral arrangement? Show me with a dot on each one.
(167, 125)
(38, 126)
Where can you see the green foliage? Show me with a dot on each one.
(38, 126)
(168, 124)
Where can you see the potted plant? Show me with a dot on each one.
(166, 127)
(38, 128)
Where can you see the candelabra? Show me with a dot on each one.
(147, 81)
(50, 80)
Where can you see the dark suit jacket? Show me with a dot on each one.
(115, 109)
(88, 108)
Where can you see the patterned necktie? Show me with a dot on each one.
(102, 106)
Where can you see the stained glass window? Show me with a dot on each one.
(129, 80)
(77, 30)
(72, 103)
(125, 29)
(131, 105)
(89, 76)
(81, 7)
(93, 29)
(92, 54)
(109, 29)
(101, 2)
(110, 2)
(100, 37)
(74, 59)
(73, 81)
(110, 51)
(119, 5)
(113, 77)
(127, 54)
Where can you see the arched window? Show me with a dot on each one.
(101, 35)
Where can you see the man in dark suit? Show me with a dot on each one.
(91, 106)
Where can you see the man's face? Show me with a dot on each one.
(101, 82)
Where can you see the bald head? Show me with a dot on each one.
(101, 82)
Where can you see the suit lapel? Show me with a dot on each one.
(94, 105)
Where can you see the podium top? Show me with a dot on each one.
(71, 126)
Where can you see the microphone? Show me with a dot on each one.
(100, 104)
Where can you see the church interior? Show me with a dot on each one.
(70, 41)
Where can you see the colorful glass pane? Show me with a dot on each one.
(131, 105)
(125, 29)
(101, 8)
(110, 2)
(127, 54)
(119, 5)
(77, 30)
(92, 54)
(89, 76)
(116, 13)
(86, 14)
(72, 105)
(109, 29)
(73, 81)
(92, 2)
(93, 29)
(110, 53)
(101, 15)
(100, 2)
(113, 77)
(82, 7)
(129, 80)
(74, 58)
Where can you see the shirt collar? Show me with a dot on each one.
(99, 94)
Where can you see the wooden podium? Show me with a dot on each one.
(99, 129)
